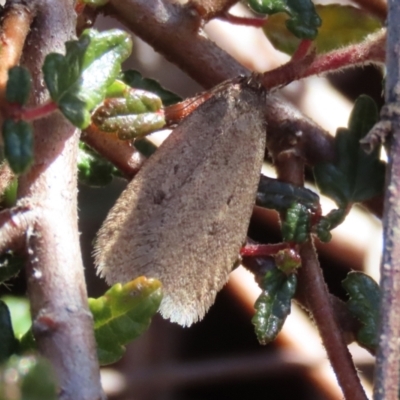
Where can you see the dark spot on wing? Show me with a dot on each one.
(159, 196)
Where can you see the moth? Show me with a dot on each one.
(185, 215)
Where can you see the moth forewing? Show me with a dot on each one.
(185, 215)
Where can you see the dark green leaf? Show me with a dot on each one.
(296, 226)
(78, 81)
(322, 230)
(341, 26)
(279, 196)
(303, 19)
(355, 176)
(135, 80)
(18, 85)
(363, 303)
(273, 305)
(93, 170)
(32, 379)
(332, 182)
(122, 314)
(323, 227)
(8, 343)
(10, 265)
(18, 145)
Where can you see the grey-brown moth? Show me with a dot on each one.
(184, 217)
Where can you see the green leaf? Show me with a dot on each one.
(95, 3)
(129, 112)
(355, 176)
(27, 342)
(126, 100)
(277, 195)
(10, 265)
(8, 343)
(135, 80)
(327, 223)
(78, 81)
(341, 26)
(122, 314)
(364, 303)
(32, 379)
(273, 305)
(93, 170)
(18, 145)
(18, 85)
(303, 19)
(20, 314)
(296, 226)
(40, 382)
(9, 197)
(133, 126)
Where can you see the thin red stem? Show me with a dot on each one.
(31, 113)
(176, 112)
(371, 50)
(263, 250)
(234, 19)
(304, 47)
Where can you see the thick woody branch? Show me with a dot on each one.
(388, 353)
(62, 322)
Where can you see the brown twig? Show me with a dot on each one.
(16, 20)
(255, 22)
(123, 155)
(311, 283)
(62, 322)
(289, 129)
(290, 71)
(388, 353)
